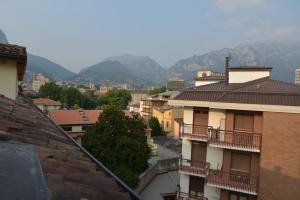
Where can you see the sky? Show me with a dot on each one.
(80, 33)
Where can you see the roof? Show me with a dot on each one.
(46, 102)
(250, 68)
(69, 171)
(260, 91)
(77, 117)
(210, 78)
(136, 105)
(171, 94)
(10, 51)
(162, 108)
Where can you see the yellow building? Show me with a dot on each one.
(166, 116)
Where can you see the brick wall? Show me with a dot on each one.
(280, 157)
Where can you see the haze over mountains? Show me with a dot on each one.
(141, 71)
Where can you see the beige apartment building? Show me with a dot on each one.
(38, 81)
(297, 76)
(240, 138)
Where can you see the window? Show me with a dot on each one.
(238, 196)
(67, 128)
(240, 162)
(167, 125)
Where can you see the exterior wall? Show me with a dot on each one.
(186, 149)
(77, 128)
(176, 129)
(212, 193)
(215, 157)
(137, 97)
(8, 79)
(215, 117)
(280, 160)
(200, 83)
(297, 76)
(188, 115)
(184, 183)
(245, 76)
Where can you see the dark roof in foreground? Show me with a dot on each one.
(69, 171)
(260, 91)
(12, 51)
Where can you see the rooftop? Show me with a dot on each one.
(77, 117)
(46, 102)
(259, 91)
(68, 170)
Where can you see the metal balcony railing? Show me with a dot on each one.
(194, 167)
(241, 183)
(195, 131)
(236, 139)
(187, 196)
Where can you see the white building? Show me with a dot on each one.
(38, 81)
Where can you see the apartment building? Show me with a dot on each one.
(175, 83)
(155, 101)
(166, 116)
(240, 138)
(138, 95)
(297, 76)
(38, 81)
(208, 77)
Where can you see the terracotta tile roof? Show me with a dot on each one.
(10, 51)
(80, 116)
(69, 170)
(260, 91)
(46, 102)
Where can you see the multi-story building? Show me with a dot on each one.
(45, 104)
(38, 81)
(155, 101)
(166, 116)
(138, 95)
(208, 77)
(175, 83)
(297, 76)
(240, 138)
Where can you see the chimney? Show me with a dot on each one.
(227, 59)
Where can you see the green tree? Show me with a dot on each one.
(50, 90)
(157, 90)
(120, 143)
(155, 126)
(119, 98)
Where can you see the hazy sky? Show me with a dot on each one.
(79, 33)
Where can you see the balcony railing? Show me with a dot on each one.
(187, 196)
(194, 167)
(241, 140)
(241, 183)
(195, 131)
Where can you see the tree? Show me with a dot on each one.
(72, 96)
(155, 126)
(157, 90)
(119, 98)
(120, 143)
(50, 90)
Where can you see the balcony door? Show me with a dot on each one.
(243, 129)
(240, 167)
(196, 186)
(200, 122)
(198, 154)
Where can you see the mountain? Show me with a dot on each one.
(108, 72)
(3, 38)
(284, 57)
(37, 64)
(143, 67)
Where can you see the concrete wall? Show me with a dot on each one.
(215, 157)
(77, 128)
(188, 115)
(280, 157)
(200, 83)
(215, 116)
(212, 193)
(245, 76)
(184, 183)
(186, 149)
(8, 79)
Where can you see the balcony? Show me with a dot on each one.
(238, 140)
(187, 196)
(195, 132)
(239, 183)
(196, 168)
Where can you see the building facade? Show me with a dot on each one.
(45, 104)
(297, 76)
(240, 139)
(166, 116)
(175, 84)
(208, 77)
(38, 81)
